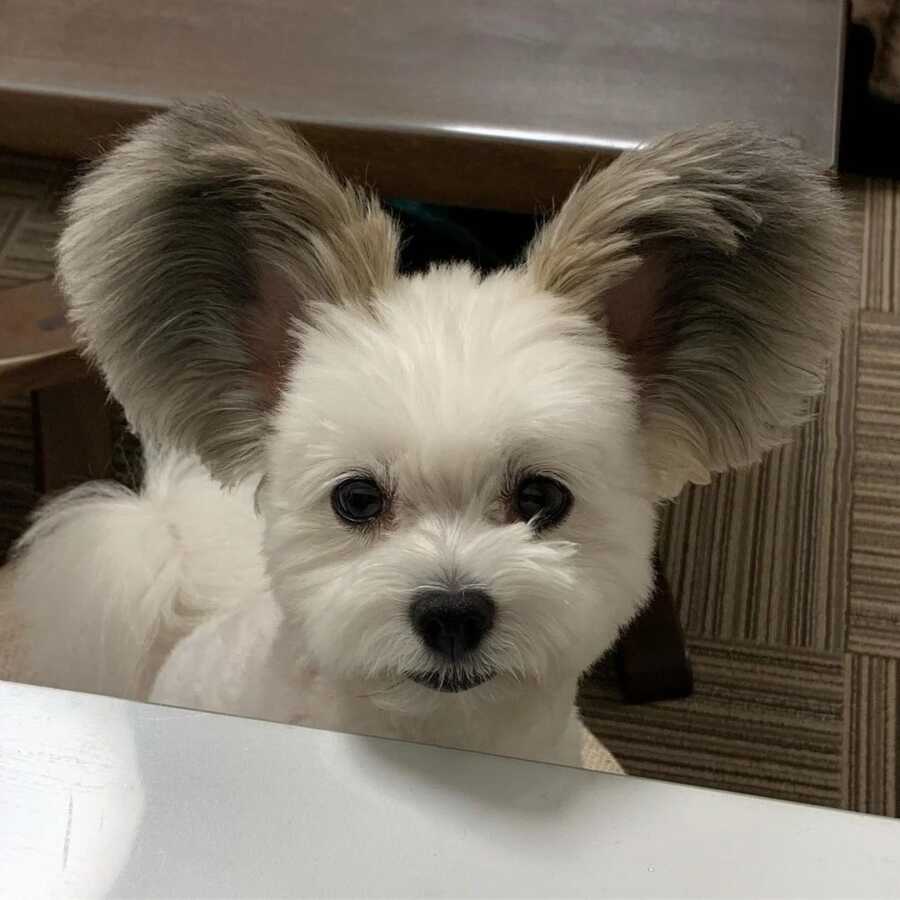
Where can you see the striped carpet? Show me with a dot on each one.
(788, 580)
(787, 574)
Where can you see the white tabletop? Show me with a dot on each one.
(102, 797)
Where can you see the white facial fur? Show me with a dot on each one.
(449, 390)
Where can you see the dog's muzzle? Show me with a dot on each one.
(452, 623)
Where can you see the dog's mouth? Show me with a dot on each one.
(450, 682)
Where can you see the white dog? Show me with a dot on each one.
(409, 506)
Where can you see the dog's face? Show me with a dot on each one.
(456, 498)
(460, 471)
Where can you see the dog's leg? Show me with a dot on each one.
(651, 657)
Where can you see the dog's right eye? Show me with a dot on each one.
(543, 501)
(358, 500)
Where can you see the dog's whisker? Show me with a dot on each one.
(380, 691)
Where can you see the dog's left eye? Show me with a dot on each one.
(542, 500)
(358, 500)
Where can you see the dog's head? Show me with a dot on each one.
(460, 471)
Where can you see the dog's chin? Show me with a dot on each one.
(450, 682)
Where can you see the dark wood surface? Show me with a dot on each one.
(471, 102)
(40, 373)
(74, 432)
(37, 347)
(33, 321)
(510, 175)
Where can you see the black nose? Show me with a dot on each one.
(452, 623)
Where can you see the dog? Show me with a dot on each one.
(410, 506)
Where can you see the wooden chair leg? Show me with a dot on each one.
(74, 431)
(651, 657)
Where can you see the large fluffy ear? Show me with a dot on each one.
(190, 255)
(716, 261)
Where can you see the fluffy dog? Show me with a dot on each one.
(409, 506)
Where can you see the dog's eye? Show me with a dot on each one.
(542, 500)
(358, 500)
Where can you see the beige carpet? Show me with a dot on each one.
(787, 575)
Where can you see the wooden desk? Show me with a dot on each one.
(496, 104)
